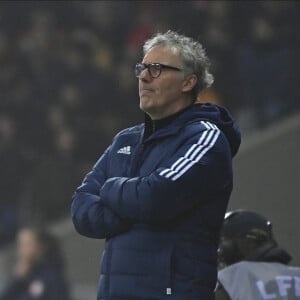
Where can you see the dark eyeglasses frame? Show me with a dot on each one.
(148, 67)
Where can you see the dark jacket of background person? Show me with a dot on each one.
(159, 197)
(260, 273)
(44, 279)
(45, 282)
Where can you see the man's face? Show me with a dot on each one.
(162, 96)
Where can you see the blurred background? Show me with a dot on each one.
(67, 87)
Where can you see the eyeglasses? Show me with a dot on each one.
(154, 69)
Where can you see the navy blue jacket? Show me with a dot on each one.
(159, 201)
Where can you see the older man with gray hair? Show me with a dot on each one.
(159, 192)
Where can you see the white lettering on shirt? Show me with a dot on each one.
(262, 290)
(284, 283)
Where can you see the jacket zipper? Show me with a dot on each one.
(137, 160)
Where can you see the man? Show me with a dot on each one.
(159, 193)
(39, 272)
(253, 266)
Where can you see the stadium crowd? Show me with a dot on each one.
(65, 82)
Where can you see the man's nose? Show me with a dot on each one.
(145, 75)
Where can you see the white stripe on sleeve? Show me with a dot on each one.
(194, 153)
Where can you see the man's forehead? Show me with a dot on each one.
(162, 55)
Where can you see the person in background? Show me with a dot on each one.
(251, 264)
(159, 193)
(39, 273)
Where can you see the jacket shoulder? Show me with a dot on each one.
(130, 130)
(198, 127)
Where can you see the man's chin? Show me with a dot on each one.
(145, 105)
(148, 110)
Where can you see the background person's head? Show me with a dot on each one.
(36, 244)
(247, 235)
(164, 91)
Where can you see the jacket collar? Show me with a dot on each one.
(164, 127)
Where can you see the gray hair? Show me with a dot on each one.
(192, 54)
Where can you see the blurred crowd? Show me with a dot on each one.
(67, 83)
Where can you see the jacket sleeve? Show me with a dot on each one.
(89, 214)
(201, 166)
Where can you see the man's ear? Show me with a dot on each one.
(189, 83)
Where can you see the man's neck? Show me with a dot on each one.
(172, 109)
